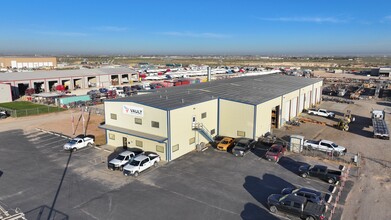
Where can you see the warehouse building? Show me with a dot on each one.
(172, 121)
(382, 71)
(71, 79)
(27, 62)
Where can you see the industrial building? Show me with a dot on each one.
(27, 62)
(172, 121)
(382, 71)
(71, 79)
(5, 93)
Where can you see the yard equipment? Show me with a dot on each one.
(343, 123)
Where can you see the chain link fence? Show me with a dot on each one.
(31, 111)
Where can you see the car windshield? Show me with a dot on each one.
(134, 163)
(274, 150)
(238, 148)
(224, 142)
(120, 157)
(334, 145)
(72, 142)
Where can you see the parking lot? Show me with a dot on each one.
(201, 185)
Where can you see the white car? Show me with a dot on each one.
(77, 143)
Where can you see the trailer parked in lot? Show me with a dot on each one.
(380, 129)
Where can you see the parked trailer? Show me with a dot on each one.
(380, 129)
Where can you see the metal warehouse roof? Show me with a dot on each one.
(252, 90)
(37, 75)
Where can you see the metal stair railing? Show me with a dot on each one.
(200, 127)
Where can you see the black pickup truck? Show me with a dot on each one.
(297, 206)
(320, 172)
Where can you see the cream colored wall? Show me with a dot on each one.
(181, 125)
(236, 116)
(127, 121)
(148, 145)
(264, 114)
(5, 93)
(288, 97)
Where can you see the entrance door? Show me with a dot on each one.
(125, 143)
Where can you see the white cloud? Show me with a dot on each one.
(62, 33)
(306, 19)
(387, 18)
(194, 34)
(111, 28)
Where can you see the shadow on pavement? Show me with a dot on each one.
(42, 212)
(261, 189)
(252, 211)
(290, 164)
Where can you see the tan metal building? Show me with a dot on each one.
(172, 121)
(27, 62)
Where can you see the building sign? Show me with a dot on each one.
(132, 110)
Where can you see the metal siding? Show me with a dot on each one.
(235, 117)
(263, 117)
(293, 107)
(181, 125)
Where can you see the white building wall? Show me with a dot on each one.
(5, 93)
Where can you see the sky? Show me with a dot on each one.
(197, 27)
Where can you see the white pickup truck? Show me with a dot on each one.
(321, 112)
(325, 146)
(77, 143)
(122, 159)
(141, 163)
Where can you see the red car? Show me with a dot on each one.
(275, 152)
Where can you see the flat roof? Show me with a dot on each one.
(251, 90)
(42, 74)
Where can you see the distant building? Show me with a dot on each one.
(382, 71)
(28, 62)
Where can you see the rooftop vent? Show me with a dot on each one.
(183, 101)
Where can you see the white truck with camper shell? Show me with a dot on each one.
(78, 143)
(141, 163)
(321, 112)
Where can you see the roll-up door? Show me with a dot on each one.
(301, 103)
(293, 107)
(286, 112)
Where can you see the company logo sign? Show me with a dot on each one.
(132, 110)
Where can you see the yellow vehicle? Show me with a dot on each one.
(225, 144)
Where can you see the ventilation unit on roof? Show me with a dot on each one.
(183, 101)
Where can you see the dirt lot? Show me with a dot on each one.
(368, 199)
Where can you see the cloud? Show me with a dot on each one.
(387, 18)
(62, 33)
(305, 19)
(194, 34)
(111, 28)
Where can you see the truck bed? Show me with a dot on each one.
(380, 129)
(334, 172)
(314, 208)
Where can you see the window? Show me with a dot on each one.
(175, 148)
(138, 121)
(297, 205)
(160, 148)
(212, 132)
(112, 136)
(203, 115)
(241, 133)
(139, 143)
(155, 124)
(192, 140)
(113, 116)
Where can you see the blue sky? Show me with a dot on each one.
(196, 27)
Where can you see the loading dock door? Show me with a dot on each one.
(301, 104)
(293, 107)
(286, 112)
